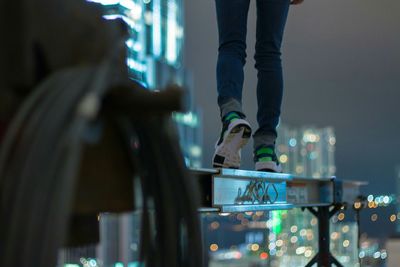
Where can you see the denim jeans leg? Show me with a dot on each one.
(271, 20)
(232, 29)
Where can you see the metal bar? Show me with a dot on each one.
(313, 260)
(336, 262)
(311, 205)
(209, 210)
(262, 207)
(335, 209)
(313, 211)
(324, 258)
(272, 176)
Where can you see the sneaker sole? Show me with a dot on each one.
(227, 154)
(269, 166)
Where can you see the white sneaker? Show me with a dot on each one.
(234, 135)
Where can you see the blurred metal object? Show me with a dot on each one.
(65, 67)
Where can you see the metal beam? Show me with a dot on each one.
(230, 190)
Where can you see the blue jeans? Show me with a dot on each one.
(232, 28)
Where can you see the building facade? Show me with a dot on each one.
(155, 59)
(307, 151)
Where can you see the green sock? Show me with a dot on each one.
(232, 116)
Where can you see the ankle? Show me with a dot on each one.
(232, 116)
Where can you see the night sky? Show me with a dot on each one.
(342, 69)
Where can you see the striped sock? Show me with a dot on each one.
(231, 116)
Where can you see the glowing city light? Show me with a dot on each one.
(386, 200)
(195, 150)
(314, 221)
(332, 141)
(105, 2)
(255, 247)
(300, 250)
(124, 18)
(148, 18)
(310, 236)
(190, 119)
(128, 4)
(299, 169)
(156, 28)
(263, 255)
(377, 255)
(283, 158)
(214, 225)
(334, 235)
(171, 33)
(213, 247)
(370, 198)
(236, 255)
(272, 236)
(135, 65)
(272, 246)
(292, 142)
(259, 213)
(308, 253)
(383, 254)
(303, 232)
(309, 137)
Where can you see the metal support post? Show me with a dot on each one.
(324, 258)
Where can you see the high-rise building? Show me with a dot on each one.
(155, 58)
(156, 33)
(310, 152)
(307, 151)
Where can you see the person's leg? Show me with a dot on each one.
(236, 131)
(271, 20)
(232, 29)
